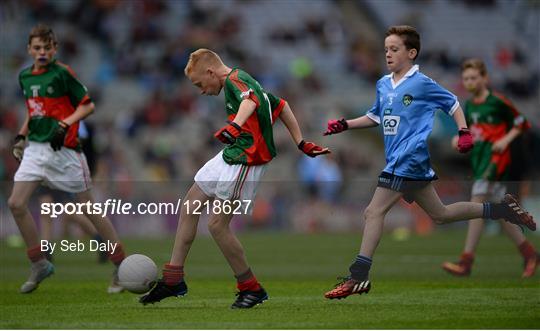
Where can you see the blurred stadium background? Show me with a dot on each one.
(151, 130)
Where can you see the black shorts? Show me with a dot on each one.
(402, 184)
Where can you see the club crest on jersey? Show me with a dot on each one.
(407, 99)
(50, 90)
(388, 111)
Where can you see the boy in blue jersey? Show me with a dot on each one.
(405, 105)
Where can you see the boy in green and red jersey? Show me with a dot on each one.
(56, 102)
(232, 175)
(494, 123)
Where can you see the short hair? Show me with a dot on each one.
(202, 56)
(44, 33)
(474, 64)
(408, 34)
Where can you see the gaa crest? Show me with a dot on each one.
(407, 99)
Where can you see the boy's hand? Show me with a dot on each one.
(336, 126)
(465, 141)
(499, 146)
(228, 133)
(17, 150)
(312, 150)
(59, 135)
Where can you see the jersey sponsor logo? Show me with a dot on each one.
(388, 111)
(390, 125)
(36, 108)
(407, 100)
(230, 106)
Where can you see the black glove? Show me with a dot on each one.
(57, 140)
(17, 150)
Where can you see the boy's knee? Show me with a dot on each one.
(215, 226)
(15, 205)
(371, 214)
(439, 218)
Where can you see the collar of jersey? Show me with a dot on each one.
(409, 73)
(233, 69)
(42, 70)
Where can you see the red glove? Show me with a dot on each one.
(228, 133)
(312, 150)
(336, 126)
(465, 141)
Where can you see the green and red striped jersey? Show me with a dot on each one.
(255, 145)
(52, 94)
(489, 121)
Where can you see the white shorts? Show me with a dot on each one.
(494, 191)
(64, 170)
(219, 179)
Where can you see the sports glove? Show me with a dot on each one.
(18, 147)
(57, 140)
(336, 126)
(312, 150)
(228, 133)
(465, 141)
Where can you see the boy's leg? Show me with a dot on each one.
(46, 224)
(508, 209)
(250, 290)
(18, 204)
(90, 230)
(358, 282)
(172, 283)
(428, 199)
(106, 230)
(531, 259)
(474, 231)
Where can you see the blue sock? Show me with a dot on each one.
(495, 211)
(360, 268)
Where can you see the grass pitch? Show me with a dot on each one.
(409, 291)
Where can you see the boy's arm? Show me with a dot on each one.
(308, 148)
(337, 126)
(288, 118)
(19, 143)
(361, 122)
(502, 144)
(232, 130)
(24, 128)
(82, 111)
(459, 118)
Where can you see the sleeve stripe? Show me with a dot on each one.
(454, 108)
(86, 99)
(243, 87)
(277, 111)
(374, 117)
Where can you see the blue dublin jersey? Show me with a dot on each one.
(405, 112)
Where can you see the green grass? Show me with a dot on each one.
(410, 291)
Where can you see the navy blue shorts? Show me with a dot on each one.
(402, 184)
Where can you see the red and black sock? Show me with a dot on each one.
(118, 255)
(35, 254)
(466, 259)
(173, 274)
(527, 250)
(247, 282)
